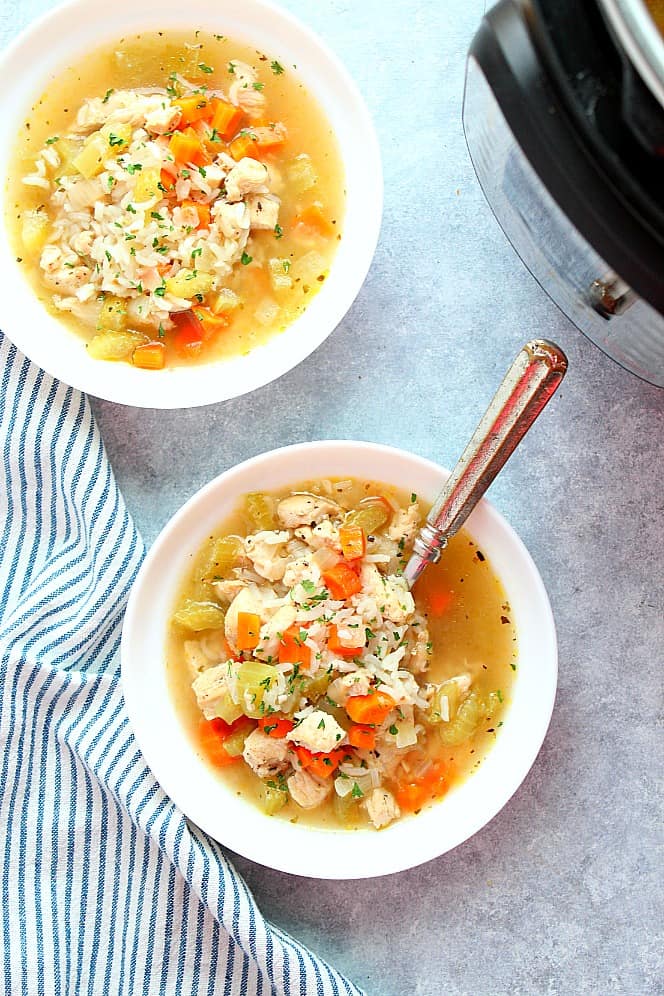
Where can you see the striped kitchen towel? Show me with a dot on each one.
(106, 887)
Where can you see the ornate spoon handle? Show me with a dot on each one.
(528, 385)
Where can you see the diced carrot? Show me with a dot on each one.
(269, 139)
(292, 648)
(338, 648)
(353, 542)
(371, 709)
(167, 180)
(202, 210)
(194, 108)
(414, 793)
(304, 756)
(186, 147)
(324, 765)
(189, 334)
(212, 324)
(151, 356)
(226, 118)
(244, 146)
(276, 726)
(342, 581)
(211, 738)
(362, 737)
(312, 221)
(248, 630)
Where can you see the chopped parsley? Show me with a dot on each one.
(276, 67)
(52, 139)
(205, 69)
(321, 725)
(161, 332)
(131, 209)
(160, 291)
(286, 265)
(132, 168)
(108, 93)
(356, 791)
(231, 68)
(155, 214)
(393, 730)
(202, 170)
(413, 498)
(258, 86)
(278, 232)
(246, 259)
(114, 140)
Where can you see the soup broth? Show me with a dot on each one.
(460, 602)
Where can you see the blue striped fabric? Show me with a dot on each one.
(106, 887)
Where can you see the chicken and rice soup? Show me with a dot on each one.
(310, 676)
(176, 199)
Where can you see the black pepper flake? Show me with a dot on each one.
(480, 556)
(504, 620)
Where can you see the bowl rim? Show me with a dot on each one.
(31, 327)
(380, 852)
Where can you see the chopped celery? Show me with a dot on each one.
(147, 185)
(260, 509)
(272, 799)
(189, 283)
(115, 345)
(253, 679)
(470, 714)
(234, 744)
(301, 173)
(347, 809)
(371, 516)
(309, 268)
(453, 691)
(34, 230)
(199, 615)
(113, 314)
(225, 708)
(314, 688)
(223, 554)
(117, 137)
(279, 273)
(90, 160)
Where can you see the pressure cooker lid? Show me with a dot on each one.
(576, 107)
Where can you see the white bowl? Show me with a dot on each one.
(239, 824)
(55, 41)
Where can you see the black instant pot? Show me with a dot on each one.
(564, 120)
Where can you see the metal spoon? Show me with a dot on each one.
(528, 385)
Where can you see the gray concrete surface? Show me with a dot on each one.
(562, 892)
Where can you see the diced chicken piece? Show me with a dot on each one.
(270, 635)
(263, 211)
(353, 683)
(405, 523)
(247, 600)
(324, 534)
(299, 570)
(266, 756)
(232, 220)
(391, 593)
(350, 632)
(267, 552)
(195, 659)
(210, 689)
(382, 808)
(318, 732)
(418, 657)
(242, 91)
(227, 590)
(366, 608)
(162, 118)
(246, 177)
(305, 509)
(307, 791)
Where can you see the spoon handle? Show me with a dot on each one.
(528, 385)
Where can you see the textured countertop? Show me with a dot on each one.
(562, 892)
